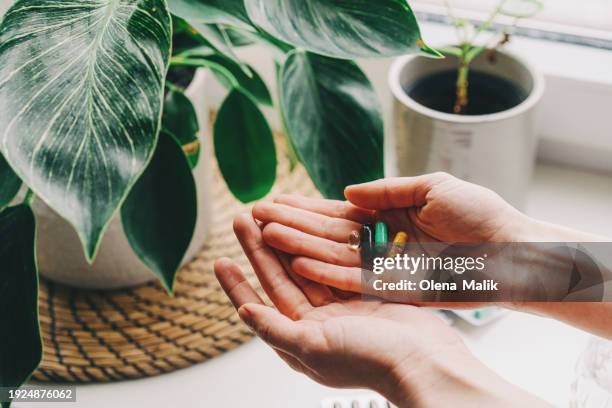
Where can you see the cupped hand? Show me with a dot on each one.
(430, 208)
(337, 342)
(405, 353)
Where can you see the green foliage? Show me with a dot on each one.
(342, 29)
(85, 89)
(249, 82)
(230, 12)
(79, 108)
(468, 48)
(9, 183)
(159, 215)
(181, 121)
(333, 116)
(20, 342)
(245, 148)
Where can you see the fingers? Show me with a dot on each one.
(340, 277)
(395, 192)
(274, 328)
(283, 292)
(331, 208)
(335, 229)
(234, 283)
(317, 294)
(296, 242)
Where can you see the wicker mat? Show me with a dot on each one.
(95, 336)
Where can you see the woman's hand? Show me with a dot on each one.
(403, 352)
(436, 207)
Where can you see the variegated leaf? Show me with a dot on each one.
(342, 28)
(334, 119)
(81, 90)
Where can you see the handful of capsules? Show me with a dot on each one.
(377, 236)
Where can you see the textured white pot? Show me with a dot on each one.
(60, 253)
(495, 150)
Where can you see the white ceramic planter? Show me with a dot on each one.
(60, 253)
(495, 150)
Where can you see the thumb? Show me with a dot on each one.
(273, 327)
(394, 192)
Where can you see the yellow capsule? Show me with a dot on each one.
(400, 238)
(398, 244)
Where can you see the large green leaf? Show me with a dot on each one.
(181, 121)
(81, 91)
(244, 147)
(9, 183)
(20, 343)
(231, 12)
(334, 120)
(341, 28)
(159, 215)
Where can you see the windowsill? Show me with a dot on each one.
(574, 112)
(563, 19)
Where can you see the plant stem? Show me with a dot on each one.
(461, 100)
(174, 88)
(204, 63)
(29, 197)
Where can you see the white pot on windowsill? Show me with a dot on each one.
(496, 150)
(59, 250)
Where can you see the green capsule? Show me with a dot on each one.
(380, 235)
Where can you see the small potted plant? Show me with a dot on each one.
(100, 130)
(472, 113)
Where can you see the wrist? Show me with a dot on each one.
(523, 228)
(452, 377)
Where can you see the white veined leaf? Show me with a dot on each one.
(334, 120)
(345, 29)
(81, 91)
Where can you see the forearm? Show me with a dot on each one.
(594, 317)
(455, 379)
(532, 230)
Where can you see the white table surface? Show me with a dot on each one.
(535, 353)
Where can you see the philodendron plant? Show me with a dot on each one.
(94, 121)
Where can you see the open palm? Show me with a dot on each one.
(337, 341)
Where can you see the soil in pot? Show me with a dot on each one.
(488, 93)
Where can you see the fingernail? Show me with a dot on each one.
(245, 316)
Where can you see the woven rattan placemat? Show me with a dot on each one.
(95, 336)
